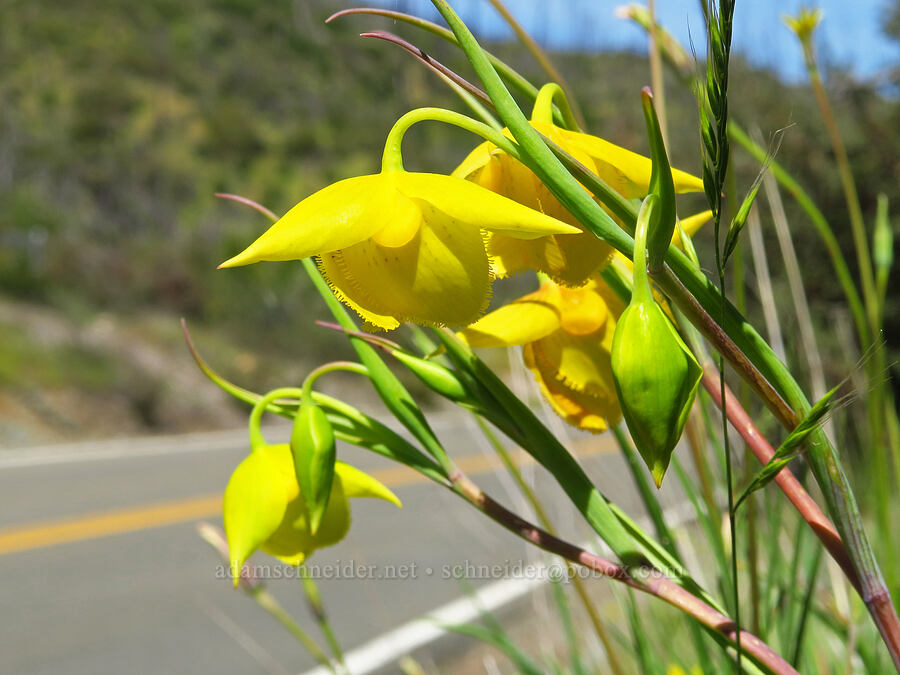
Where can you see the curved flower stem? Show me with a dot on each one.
(543, 106)
(641, 292)
(644, 579)
(392, 159)
(256, 438)
(333, 366)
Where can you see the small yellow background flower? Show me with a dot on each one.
(566, 335)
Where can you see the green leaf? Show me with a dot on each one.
(792, 445)
(501, 642)
(740, 219)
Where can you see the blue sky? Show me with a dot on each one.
(850, 34)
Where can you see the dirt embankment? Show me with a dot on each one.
(63, 379)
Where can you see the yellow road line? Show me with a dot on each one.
(120, 521)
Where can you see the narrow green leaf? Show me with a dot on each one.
(792, 445)
(739, 220)
(501, 642)
(565, 618)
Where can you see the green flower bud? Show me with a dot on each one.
(655, 374)
(314, 451)
(436, 377)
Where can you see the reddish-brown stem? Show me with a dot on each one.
(644, 579)
(434, 64)
(698, 316)
(793, 490)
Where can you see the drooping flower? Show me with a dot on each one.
(566, 336)
(568, 260)
(263, 509)
(398, 246)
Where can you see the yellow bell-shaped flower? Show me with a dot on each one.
(568, 260)
(263, 508)
(401, 246)
(566, 336)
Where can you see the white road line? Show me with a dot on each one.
(405, 639)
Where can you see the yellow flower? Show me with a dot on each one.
(400, 246)
(568, 260)
(805, 23)
(567, 336)
(263, 508)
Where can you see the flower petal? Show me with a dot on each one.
(469, 204)
(569, 259)
(332, 274)
(583, 311)
(591, 413)
(338, 216)
(628, 173)
(691, 224)
(255, 501)
(529, 318)
(581, 359)
(357, 483)
(441, 277)
(474, 161)
(292, 543)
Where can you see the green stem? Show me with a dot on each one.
(334, 366)
(641, 292)
(317, 607)
(857, 225)
(392, 158)
(256, 438)
(543, 106)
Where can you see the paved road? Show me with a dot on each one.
(101, 569)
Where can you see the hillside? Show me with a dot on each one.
(115, 136)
